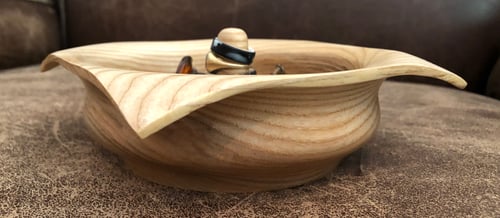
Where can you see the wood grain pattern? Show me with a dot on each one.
(236, 132)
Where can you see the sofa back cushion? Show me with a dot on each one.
(459, 35)
(28, 32)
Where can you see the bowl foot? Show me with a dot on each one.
(187, 179)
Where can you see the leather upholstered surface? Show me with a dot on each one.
(435, 153)
(28, 32)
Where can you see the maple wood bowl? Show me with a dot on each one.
(235, 133)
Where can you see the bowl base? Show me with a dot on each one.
(185, 179)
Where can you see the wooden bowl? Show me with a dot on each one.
(235, 133)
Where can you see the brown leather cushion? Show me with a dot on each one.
(28, 32)
(436, 152)
(493, 88)
(459, 35)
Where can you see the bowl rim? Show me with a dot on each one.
(378, 64)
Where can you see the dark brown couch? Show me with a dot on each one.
(436, 152)
(462, 36)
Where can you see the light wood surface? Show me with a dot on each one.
(213, 63)
(235, 132)
(234, 37)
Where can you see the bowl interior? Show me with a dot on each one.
(297, 57)
(301, 61)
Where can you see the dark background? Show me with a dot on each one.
(462, 36)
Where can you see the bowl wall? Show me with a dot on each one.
(259, 140)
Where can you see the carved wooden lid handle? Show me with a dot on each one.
(235, 37)
(229, 53)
